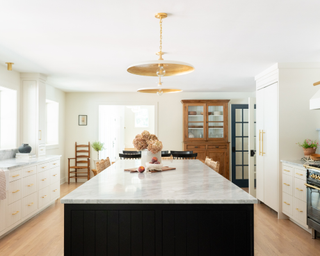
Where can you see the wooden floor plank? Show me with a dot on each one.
(43, 235)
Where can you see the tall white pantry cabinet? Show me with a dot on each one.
(283, 117)
(34, 111)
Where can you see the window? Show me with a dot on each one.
(52, 122)
(142, 117)
(8, 118)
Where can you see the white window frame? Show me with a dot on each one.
(55, 144)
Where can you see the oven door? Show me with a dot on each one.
(313, 202)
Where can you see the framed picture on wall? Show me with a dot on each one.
(82, 120)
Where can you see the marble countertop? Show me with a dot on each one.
(296, 162)
(191, 183)
(14, 162)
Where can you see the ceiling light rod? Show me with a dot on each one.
(9, 65)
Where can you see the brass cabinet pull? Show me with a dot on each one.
(286, 184)
(54, 163)
(310, 186)
(55, 174)
(40, 135)
(299, 189)
(286, 170)
(299, 174)
(44, 179)
(30, 185)
(43, 167)
(55, 190)
(44, 196)
(30, 204)
(30, 171)
(15, 213)
(299, 210)
(286, 203)
(16, 191)
(259, 142)
(15, 175)
(262, 153)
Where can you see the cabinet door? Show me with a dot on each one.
(217, 121)
(219, 155)
(194, 122)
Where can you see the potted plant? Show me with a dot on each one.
(309, 146)
(97, 146)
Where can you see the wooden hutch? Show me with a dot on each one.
(205, 130)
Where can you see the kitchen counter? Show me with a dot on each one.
(299, 163)
(191, 183)
(191, 209)
(14, 162)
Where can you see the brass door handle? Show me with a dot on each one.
(299, 189)
(259, 142)
(310, 186)
(298, 210)
(262, 153)
(40, 135)
(286, 184)
(286, 203)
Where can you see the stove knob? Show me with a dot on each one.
(312, 176)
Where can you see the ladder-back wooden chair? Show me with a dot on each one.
(81, 167)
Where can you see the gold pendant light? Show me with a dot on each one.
(9, 65)
(160, 67)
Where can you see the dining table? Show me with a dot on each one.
(191, 210)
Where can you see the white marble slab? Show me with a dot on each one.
(14, 163)
(191, 183)
(299, 163)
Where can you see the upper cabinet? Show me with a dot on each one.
(205, 120)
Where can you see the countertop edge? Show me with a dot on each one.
(25, 163)
(294, 162)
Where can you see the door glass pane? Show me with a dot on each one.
(215, 112)
(215, 133)
(238, 172)
(245, 158)
(245, 143)
(245, 115)
(238, 115)
(195, 130)
(238, 143)
(245, 172)
(238, 129)
(238, 157)
(245, 129)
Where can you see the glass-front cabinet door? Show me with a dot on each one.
(196, 119)
(216, 122)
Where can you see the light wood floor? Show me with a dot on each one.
(43, 235)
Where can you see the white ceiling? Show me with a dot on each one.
(87, 45)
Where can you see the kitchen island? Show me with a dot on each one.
(188, 211)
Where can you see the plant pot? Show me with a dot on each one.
(146, 156)
(25, 148)
(309, 151)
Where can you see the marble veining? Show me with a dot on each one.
(299, 162)
(191, 183)
(14, 163)
(8, 153)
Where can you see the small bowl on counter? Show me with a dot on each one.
(315, 157)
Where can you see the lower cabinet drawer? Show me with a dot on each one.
(287, 183)
(13, 213)
(29, 185)
(55, 175)
(43, 179)
(15, 191)
(287, 204)
(55, 191)
(29, 204)
(44, 196)
(196, 146)
(300, 211)
(300, 190)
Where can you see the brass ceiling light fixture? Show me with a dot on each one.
(9, 65)
(160, 67)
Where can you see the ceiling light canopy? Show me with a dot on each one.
(9, 65)
(160, 67)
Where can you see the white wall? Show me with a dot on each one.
(130, 130)
(57, 95)
(297, 121)
(11, 80)
(168, 108)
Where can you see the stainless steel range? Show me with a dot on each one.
(313, 198)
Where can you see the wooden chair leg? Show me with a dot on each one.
(76, 175)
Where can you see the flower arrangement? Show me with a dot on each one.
(97, 146)
(309, 144)
(145, 140)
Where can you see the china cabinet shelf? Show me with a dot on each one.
(211, 137)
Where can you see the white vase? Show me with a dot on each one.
(146, 156)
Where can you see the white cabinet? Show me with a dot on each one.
(294, 199)
(267, 146)
(31, 189)
(34, 111)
